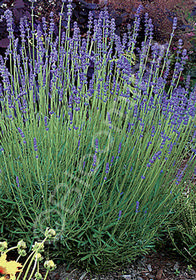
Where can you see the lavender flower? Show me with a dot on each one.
(22, 134)
(78, 144)
(51, 30)
(35, 144)
(94, 160)
(8, 16)
(119, 148)
(90, 20)
(84, 164)
(153, 131)
(119, 215)
(109, 120)
(96, 145)
(44, 24)
(137, 206)
(112, 160)
(112, 28)
(69, 6)
(17, 181)
(22, 30)
(45, 120)
(174, 23)
(107, 169)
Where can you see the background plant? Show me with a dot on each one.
(99, 168)
(190, 68)
(184, 236)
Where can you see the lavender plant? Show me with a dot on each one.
(88, 160)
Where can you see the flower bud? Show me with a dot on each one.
(38, 246)
(22, 252)
(38, 256)
(50, 233)
(38, 276)
(49, 265)
(3, 246)
(21, 245)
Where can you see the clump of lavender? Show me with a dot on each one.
(91, 161)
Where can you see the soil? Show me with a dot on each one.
(160, 265)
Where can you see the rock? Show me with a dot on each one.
(159, 274)
(149, 267)
(127, 277)
(140, 278)
(151, 277)
(176, 266)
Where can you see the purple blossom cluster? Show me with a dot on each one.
(35, 145)
(22, 134)
(107, 170)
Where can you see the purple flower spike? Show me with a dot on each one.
(45, 120)
(21, 133)
(96, 145)
(175, 23)
(137, 206)
(119, 147)
(119, 215)
(107, 168)
(153, 131)
(69, 6)
(94, 160)
(112, 160)
(17, 181)
(9, 20)
(35, 145)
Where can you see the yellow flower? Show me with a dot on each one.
(38, 256)
(21, 245)
(3, 246)
(10, 268)
(50, 233)
(49, 265)
(38, 246)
